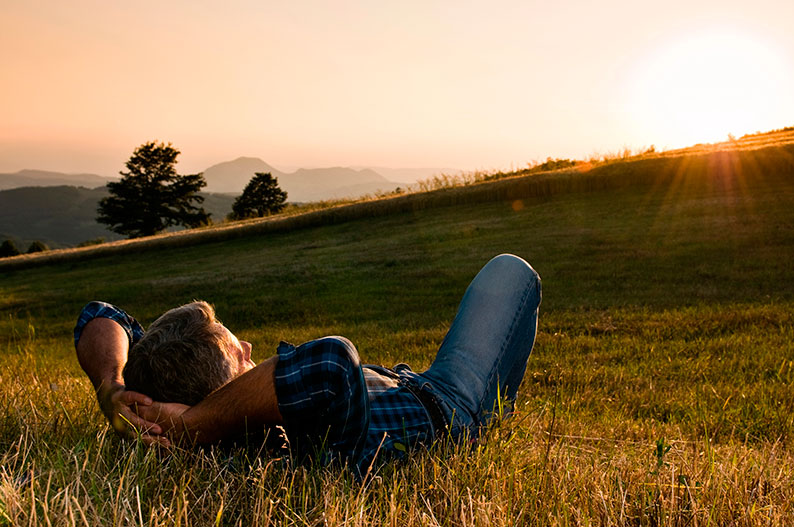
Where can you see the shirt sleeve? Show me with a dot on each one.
(96, 309)
(322, 396)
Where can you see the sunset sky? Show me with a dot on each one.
(454, 84)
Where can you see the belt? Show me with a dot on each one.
(431, 404)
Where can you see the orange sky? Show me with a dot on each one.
(489, 85)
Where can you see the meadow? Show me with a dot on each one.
(660, 390)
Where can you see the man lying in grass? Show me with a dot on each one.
(201, 386)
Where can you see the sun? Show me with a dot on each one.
(704, 86)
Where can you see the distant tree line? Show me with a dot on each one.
(151, 196)
(9, 248)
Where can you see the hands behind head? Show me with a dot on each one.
(133, 414)
(165, 416)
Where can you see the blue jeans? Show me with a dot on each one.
(484, 354)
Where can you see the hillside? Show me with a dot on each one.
(660, 390)
(57, 215)
(64, 216)
(655, 211)
(773, 151)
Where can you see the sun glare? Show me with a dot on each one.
(703, 87)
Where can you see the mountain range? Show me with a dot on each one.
(60, 209)
(303, 185)
(230, 177)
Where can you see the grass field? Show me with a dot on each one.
(660, 390)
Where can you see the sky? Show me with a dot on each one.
(452, 84)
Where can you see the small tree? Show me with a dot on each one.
(151, 196)
(261, 197)
(37, 247)
(8, 248)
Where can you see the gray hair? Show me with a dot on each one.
(182, 358)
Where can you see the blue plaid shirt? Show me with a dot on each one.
(370, 415)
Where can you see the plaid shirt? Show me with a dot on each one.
(361, 412)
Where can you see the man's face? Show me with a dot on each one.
(239, 351)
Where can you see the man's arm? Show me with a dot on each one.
(246, 403)
(102, 348)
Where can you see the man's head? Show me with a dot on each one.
(185, 355)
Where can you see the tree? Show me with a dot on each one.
(8, 248)
(261, 197)
(151, 196)
(37, 247)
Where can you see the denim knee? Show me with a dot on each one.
(512, 268)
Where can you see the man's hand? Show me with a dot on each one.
(167, 417)
(248, 402)
(102, 352)
(119, 406)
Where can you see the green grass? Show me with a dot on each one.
(666, 322)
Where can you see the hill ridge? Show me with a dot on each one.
(29, 177)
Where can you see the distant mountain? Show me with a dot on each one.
(317, 184)
(43, 178)
(232, 176)
(63, 216)
(302, 185)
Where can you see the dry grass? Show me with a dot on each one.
(660, 391)
(58, 470)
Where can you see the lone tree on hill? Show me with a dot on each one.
(261, 197)
(37, 247)
(151, 196)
